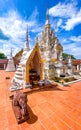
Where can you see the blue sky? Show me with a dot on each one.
(65, 20)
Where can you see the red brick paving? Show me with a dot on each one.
(56, 108)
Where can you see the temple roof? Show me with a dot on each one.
(74, 62)
(59, 47)
(26, 57)
(30, 53)
(5, 61)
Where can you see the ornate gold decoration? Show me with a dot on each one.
(43, 60)
(54, 60)
(18, 55)
(59, 47)
(35, 50)
(47, 26)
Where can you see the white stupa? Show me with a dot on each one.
(10, 65)
(18, 77)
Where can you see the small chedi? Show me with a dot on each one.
(10, 66)
(19, 104)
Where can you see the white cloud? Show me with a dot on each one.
(66, 16)
(68, 12)
(59, 23)
(73, 21)
(63, 10)
(64, 40)
(33, 15)
(14, 26)
(7, 45)
(76, 39)
(73, 49)
(71, 46)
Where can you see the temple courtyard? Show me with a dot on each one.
(51, 108)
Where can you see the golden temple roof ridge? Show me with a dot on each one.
(36, 41)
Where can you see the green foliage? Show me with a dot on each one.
(57, 79)
(65, 56)
(69, 79)
(2, 56)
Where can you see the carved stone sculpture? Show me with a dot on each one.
(19, 104)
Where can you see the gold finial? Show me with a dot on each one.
(47, 14)
(36, 39)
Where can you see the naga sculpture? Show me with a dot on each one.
(19, 104)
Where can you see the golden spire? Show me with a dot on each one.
(47, 15)
(36, 41)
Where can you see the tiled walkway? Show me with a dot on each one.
(56, 108)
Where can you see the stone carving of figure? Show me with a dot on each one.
(19, 103)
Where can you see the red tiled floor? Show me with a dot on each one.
(55, 108)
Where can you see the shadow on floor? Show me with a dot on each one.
(32, 117)
(67, 85)
(44, 88)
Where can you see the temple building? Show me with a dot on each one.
(40, 62)
(51, 50)
(44, 61)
